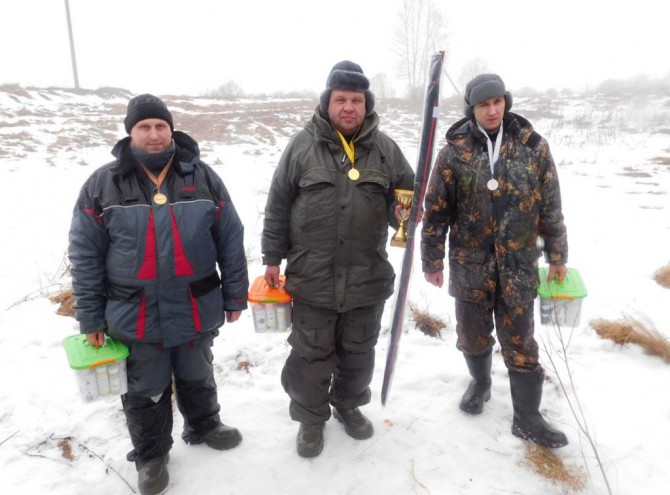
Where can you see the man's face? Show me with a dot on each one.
(151, 135)
(489, 113)
(346, 110)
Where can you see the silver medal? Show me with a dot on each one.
(492, 185)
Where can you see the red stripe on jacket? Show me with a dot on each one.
(182, 267)
(142, 318)
(94, 215)
(148, 270)
(196, 314)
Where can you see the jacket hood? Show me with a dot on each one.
(186, 155)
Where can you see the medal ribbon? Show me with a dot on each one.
(161, 177)
(494, 151)
(348, 147)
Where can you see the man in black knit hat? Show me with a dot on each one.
(328, 213)
(495, 191)
(147, 234)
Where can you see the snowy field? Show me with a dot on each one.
(613, 157)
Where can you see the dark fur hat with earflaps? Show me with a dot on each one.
(348, 76)
(482, 88)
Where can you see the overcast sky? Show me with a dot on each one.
(170, 46)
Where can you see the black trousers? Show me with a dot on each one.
(332, 360)
(514, 325)
(148, 404)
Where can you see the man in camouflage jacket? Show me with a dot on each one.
(495, 190)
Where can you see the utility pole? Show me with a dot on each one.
(73, 56)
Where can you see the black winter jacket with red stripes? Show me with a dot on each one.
(148, 272)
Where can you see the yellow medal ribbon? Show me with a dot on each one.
(349, 150)
(159, 197)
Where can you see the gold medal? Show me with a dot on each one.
(492, 185)
(353, 174)
(160, 198)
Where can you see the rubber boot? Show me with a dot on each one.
(479, 389)
(198, 404)
(309, 441)
(528, 423)
(355, 423)
(153, 476)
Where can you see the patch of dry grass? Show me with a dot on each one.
(631, 331)
(662, 276)
(245, 366)
(548, 465)
(428, 324)
(66, 449)
(66, 301)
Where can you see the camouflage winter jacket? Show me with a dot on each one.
(332, 230)
(493, 235)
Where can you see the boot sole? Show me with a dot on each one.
(524, 435)
(234, 443)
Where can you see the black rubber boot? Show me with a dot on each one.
(153, 476)
(198, 403)
(528, 423)
(309, 441)
(479, 389)
(355, 423)
(221, 437)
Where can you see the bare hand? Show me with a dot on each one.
(435, 278)
(96, 339)
(233, 316)
(398, 210)
(557, 271)
(272, 275)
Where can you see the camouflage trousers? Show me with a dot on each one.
(514, 325)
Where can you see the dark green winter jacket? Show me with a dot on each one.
(493, 235)
(332, 230)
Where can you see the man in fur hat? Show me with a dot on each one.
(328, 213)
(495, 190)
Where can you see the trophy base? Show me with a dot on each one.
(398, 243)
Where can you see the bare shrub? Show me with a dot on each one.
(548, 465)
(631, 331)
(428, 324)
(662, 276)
(66, 301)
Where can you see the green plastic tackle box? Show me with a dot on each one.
(100, 371)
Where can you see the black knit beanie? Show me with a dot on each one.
(146, 107)
(484, 87)
(348, 76)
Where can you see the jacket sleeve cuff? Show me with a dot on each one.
(432, 266)
(271, 260)
(235, 305)
(92, 326)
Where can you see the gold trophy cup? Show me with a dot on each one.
(403, 197)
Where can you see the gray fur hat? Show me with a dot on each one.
(146, 107)
(482, 88)
(348, 76)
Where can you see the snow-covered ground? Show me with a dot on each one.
(615, 177)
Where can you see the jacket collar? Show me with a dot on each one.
(187, 154)
(512, 124)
